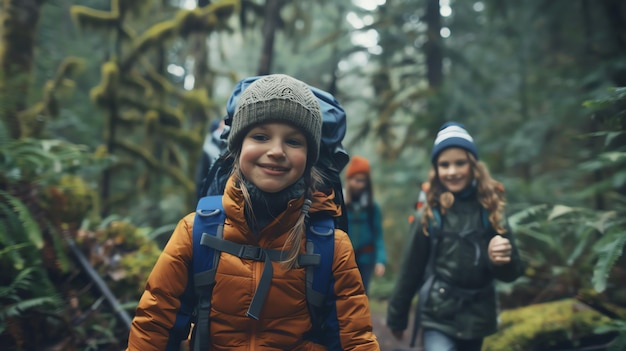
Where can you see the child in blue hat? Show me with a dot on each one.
(460, 245)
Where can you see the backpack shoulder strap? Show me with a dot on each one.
(435, 224)
(210, 217)
(484, 216)
(320, 240)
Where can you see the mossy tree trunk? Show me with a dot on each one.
(19, 26)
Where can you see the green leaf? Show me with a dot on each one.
(603, 221)
(608, 250)
(614, 156)
(516, 219)
(19, 307)
(560, 210)
(583, 243)
(30, 226)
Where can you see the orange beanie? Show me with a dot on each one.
(358, 164)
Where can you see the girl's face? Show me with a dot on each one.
(273, 156)
(357, 183)
(454, 169)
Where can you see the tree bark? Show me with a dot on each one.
(272, 19)
(433, 47)
(19, 27)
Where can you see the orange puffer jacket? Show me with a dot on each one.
(284, 317)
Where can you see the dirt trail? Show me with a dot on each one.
(385, 339)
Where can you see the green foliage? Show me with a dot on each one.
(148, 117)
(27, 225)
(616, 326)
(556, 325)
(12, 296)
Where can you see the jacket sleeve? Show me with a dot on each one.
(410, 278)
(158, 307)
(352, 323)
(515, 268)
(381, 254)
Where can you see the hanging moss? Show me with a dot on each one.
(192, 21)
(206, 19)
(537, 327)
(70, 67)
(167, 115)
(196, 100)
(186, 139)
(102, 94)
(155, 36)
(153, 163)
(203, 19)
(134, 7)
(136, 82)
(88, 18)
(158, 82)
(130, 119)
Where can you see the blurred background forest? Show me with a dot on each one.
(104, 106)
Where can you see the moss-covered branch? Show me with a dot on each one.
(155, 165)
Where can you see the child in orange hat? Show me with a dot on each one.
(364, 220)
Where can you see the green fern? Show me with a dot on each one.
(518, 218)
(608, 250)
(30, 227)
(11, 297)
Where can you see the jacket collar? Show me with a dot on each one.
(233, 202)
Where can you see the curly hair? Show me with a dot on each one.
(489, 191)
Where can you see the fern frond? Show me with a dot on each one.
(19, 307)
(583, 242)
(23, 281)
(608, 250)
(30, 226)
(516, 219)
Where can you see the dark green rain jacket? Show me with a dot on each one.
(461, 298)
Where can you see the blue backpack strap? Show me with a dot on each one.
(436, 223)
(210, 217)
(320, 237)
(484, 215)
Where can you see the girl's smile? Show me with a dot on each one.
(273, 156)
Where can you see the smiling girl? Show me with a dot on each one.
(274, 141)
(459, 247)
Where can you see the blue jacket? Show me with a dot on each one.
(366, 235)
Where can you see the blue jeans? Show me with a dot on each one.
(435, 340)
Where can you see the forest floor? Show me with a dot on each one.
(386, 340)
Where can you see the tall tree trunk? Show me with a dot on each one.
(19, 26)
(433, 47)
(272, 18)
(110, 130)
(201, 60)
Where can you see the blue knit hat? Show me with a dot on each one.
(453, 134)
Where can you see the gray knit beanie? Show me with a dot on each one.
(278, 98)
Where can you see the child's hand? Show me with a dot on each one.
(379, 270)
(499, 250)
